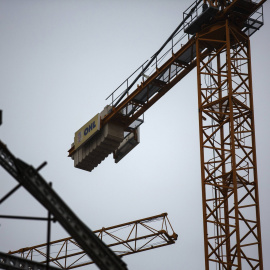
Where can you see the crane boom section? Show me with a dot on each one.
(181, 59)
(124, 239)
(152, 89)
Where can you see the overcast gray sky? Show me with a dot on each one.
(59, 60)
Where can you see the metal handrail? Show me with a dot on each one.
(155, 59)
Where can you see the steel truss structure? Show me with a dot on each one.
(31, 180)
(124, 239)
(11, 262)
(214, 36)
(228, 154)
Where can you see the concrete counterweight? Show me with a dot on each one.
(95, 150)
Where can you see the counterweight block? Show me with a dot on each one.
(95, 150)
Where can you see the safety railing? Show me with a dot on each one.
(195, 9)
(141, 74)
(254, 22)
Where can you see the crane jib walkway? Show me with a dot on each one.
(180, 59)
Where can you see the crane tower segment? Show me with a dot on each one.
(228, 154)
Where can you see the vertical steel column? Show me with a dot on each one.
(228, 155)
(48, 236)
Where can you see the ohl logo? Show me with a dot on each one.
(89, 128)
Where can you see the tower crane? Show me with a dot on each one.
(214, 37)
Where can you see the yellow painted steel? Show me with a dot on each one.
(87, 131)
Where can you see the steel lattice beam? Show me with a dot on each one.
(37, 186)
(8, 261)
